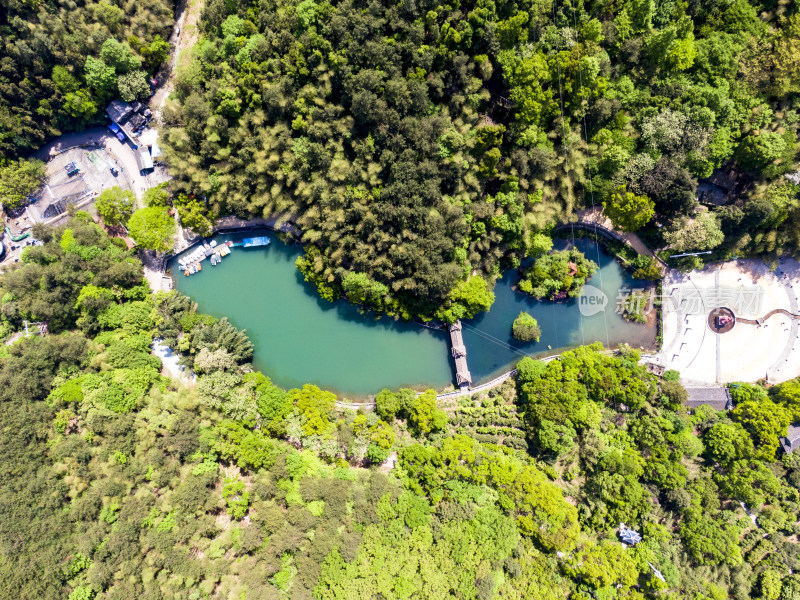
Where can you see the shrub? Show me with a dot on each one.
(671, 375)
(238, 499)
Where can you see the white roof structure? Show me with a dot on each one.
(143, 158)
(629, 536)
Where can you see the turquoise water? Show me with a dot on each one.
(300, 338)
(491, 348)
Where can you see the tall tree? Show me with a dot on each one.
(152, 228)
(18, 179)
(628, 211)
(115, 205)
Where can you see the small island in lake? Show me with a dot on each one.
(525, 328)
(557, 275)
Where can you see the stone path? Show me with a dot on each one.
(595, 216)
(468, 392)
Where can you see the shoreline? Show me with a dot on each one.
(235, 225)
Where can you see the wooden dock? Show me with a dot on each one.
(459, 350)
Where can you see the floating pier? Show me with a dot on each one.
(192, 262)
(459, 351)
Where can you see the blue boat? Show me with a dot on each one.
(255, 242)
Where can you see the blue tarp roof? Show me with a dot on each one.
(256, 241)
(630, 536)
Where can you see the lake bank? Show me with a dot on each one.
(300, 338)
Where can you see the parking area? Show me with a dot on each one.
(79, 167)
(75, 177)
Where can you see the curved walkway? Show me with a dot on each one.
(469, 392)
(629, 239)
(783, 359)
(777, 311)
(594, 218)
(447, 395)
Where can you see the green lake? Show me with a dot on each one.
(300, 338)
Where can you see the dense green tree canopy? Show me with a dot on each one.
(63, 63)
(421, 149)
(152, 228)
(557, 274)
(19, 179)
(628, 211)
(82, 271)
(235, 485)
(417, 145)
(525, 328)
(115, 206)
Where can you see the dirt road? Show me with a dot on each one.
(184, 35)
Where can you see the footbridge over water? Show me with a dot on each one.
(459, 351)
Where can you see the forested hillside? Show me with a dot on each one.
(119, 483)
(61, 62)
(416, 142)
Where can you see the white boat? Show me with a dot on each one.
(213, 243)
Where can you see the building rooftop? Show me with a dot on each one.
(725, 178)
(56, 208)
(792, 439)
(708, 193)
(131, 118)
(717, 398)
(136, 121)
(143, 158)
(119, 111)
(53, 199)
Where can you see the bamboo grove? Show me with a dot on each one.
(417, 144)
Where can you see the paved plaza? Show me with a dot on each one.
(760, 349)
